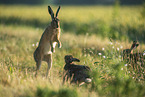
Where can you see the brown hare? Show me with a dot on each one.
(133, 57)
(48, 42)
(127, 52)
(76, 73)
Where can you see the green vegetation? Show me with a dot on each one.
(94, 34)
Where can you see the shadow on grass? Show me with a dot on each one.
(99, 27)
(46, 92)
(19, 21)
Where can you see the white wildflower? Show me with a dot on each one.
(125, 65)
(128, 71)
(121, 68)
(118, 49)
(103, 49)
(33, 44)
(112, 46)
(99, 53)
(104, 56)
(143, 53)
(133, 77)
(110, 43)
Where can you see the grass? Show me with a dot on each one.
(89, 33)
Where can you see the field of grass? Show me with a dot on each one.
(94, 34)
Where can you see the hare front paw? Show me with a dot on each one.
(52, 50)
(59, 45)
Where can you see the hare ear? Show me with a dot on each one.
(75, 59)
(50, 12)
(57, 11)
(134, 45)
(137, 45)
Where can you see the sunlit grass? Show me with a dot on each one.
(111, 75)
(99, 20)
(75, 13)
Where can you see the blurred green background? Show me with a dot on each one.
(72, 2)
(116, 21)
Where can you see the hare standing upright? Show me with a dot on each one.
(47, 42)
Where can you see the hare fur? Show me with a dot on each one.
(133, 57)
(48, 42)
(76, 73)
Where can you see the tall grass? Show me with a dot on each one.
(87, 34)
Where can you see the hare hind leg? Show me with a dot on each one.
(38, 64)
(48, 59)
(38, 60)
